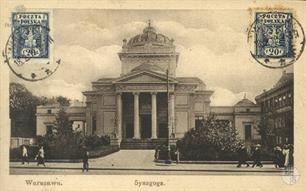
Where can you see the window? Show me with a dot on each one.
(198, 121)
(94, 124)
(248, 110)
(248, 132)
(49, 111)
(49, 129)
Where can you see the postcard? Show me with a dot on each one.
(152, 95)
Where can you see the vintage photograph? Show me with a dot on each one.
(152, 92)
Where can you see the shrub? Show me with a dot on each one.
(212, 140)
(163, 152)
(15, 153)
(94, 141)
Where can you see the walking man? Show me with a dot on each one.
(257, 156)
(278, 157)
(243, 156)
(85, 161)
(177, 154)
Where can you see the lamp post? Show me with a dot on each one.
(168, 160)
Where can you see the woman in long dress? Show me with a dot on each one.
(41, 156)
(286, 155)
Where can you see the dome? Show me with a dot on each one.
(149, 35)
(149, 67)
(245, 102)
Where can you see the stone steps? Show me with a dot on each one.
(141, 143)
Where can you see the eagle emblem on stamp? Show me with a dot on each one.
(28, 50)
(30, 36)
(276, 39)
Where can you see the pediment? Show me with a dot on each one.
(144, 77)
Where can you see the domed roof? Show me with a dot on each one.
(245, 102)
(149, 35)
(149, 67)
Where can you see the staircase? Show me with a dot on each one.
(142, 143)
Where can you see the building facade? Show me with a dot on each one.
(244, 116)
(46, 118)
(136, 105)
(148, 102)
(277, 108)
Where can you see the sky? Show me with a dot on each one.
(212, 46)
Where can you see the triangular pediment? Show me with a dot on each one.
(144, 77)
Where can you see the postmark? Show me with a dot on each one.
(28, 50)
(276, 38)
(291, 176)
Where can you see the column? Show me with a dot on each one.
(172, 115)
(84, 128)
(153, 116)
(119, 116)
(136, 116)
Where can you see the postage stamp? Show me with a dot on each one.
(276, 38)
(28, 50)
(30, 35)
(273, 35)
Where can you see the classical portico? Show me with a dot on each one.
(137, 105)
(140, 113)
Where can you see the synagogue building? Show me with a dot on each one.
(148, 102)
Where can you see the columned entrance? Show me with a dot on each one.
(145, 126)
(143, 115)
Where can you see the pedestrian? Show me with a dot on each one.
(85, 161)
(291, 159)
(278, 157)
(40, 157)
(243, 156)
(156, 154)
(257, 156)
(24, 154)
(177, 154)
(286, 153)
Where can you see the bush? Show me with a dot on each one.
(15, 153)
(61, 147)
(64, 147)
(94, 141)
(212, 140)
(163, 152)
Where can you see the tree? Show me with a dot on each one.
(212, 140)
(63, 101)
(22, 111)
(62, 141)
(265, 128)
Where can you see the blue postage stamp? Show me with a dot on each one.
(30, 33)
(273, 31)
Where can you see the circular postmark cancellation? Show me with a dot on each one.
(276, 39)
(27, 50)
(291, 176)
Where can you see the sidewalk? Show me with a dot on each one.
(143, 160)
(153, 167)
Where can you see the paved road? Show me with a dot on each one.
(139, 162)
(24, 171)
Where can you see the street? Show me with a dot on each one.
(139, 162)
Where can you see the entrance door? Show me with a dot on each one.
(129, 130)
(248, 132)
(146, 130)
(163, 130)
